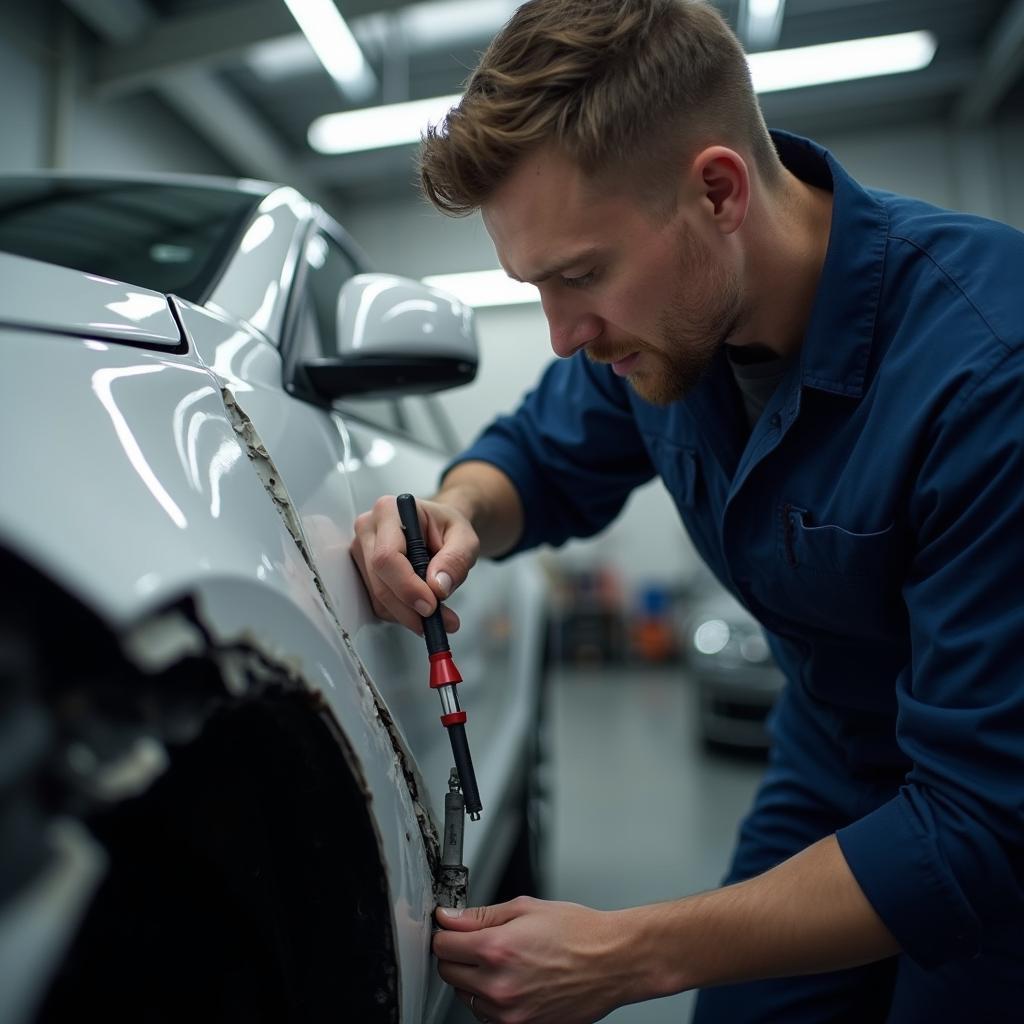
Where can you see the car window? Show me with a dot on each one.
(169, 238)
(328, 267)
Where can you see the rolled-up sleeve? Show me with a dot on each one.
(944, 860)
(572, 450)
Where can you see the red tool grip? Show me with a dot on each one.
(442, 670)
(455, 718)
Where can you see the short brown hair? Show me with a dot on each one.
(611, 82)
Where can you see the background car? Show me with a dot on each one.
(735, 676)
(221, 777)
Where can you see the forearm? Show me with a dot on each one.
(488, 499)
(804, 916)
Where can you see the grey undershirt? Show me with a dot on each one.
(757, 380)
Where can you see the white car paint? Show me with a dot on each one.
(130, 478)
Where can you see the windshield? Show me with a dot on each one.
(169, 238)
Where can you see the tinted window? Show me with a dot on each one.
(165, 237)
(329, 267)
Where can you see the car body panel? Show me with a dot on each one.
(40, 295)
(255, 284)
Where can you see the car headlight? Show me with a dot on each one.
(754, 648)
(711, 637)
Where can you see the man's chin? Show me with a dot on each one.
(656, 390)
(671, 385)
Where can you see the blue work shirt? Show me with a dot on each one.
(872, 521)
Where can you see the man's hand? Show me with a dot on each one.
(535, 961)
(396, 592)
(542, 963)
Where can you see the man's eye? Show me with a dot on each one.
(580, 282)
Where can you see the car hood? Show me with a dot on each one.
(42, 296)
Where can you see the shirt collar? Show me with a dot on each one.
(837, 341)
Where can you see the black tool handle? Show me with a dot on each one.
(416, 551)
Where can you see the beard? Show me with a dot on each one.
(691, 329)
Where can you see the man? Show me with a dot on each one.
(830, 382)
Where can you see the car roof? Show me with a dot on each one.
(212, 181)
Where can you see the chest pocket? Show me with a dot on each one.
(837, 580)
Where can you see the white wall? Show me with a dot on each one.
(134, 134)
(514, 347)
(978, 173)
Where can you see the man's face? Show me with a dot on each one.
(646, 293)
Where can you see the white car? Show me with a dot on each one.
(222, 779)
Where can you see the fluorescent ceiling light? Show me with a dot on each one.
(484, 288)
(446, 23)
(335, 46)
(760, 22)
(776, 70)
(281, 58)
(399, 124)
(394, 124)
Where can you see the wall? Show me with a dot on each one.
(45, 124)
(514, 346)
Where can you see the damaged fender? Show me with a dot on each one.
(161, 475)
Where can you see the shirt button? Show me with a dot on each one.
(776, 421)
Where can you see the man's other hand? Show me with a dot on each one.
(534, 961)
(396, 592)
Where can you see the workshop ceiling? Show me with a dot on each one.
(243, 75)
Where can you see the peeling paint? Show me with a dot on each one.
(452, 887)
(272, 481)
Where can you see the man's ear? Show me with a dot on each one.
(722, 180)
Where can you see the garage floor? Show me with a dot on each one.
(641, 811)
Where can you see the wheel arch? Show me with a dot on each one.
(207, 670)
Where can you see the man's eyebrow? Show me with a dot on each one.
(563, 264)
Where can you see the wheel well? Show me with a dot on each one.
(245, 882)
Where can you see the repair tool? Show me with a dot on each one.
(453, 883)
(444, 676)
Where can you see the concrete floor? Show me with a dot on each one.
(641, 811)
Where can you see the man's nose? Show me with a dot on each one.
(570, 330)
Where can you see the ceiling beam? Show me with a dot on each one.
(208, 39)
(210, 107)
(1001, 66)
(117, 21)
(189, 42)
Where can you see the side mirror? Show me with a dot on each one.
(395, 336)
